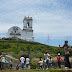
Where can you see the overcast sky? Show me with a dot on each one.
(52, 17)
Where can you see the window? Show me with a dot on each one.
(15, 31)
(27, 24)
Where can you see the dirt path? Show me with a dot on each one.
(54, 59)
(14, 60)
(9, 56)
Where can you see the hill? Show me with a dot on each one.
(18, 47)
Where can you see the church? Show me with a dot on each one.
(26, 33)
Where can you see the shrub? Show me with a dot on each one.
(33, 64)
(15, 55)
(37, 54)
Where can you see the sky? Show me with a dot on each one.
(50, 17)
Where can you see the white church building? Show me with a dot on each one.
(26, 33)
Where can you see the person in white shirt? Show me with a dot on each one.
(3, 61)
(22, 60)
(50, 62)
(27, 62)
(46, 58)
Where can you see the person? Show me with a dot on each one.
(6, 60)
(66, 47)
(46, 58)
(22, 60)
(44, 64)
(27, 62)
(0, 61)
(59, 60)
(40, 63)
(17, 67)
(3, 61)
(10, 62)
(50, 62)
(67, 62)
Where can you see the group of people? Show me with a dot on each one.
(3, 60)
(47, 62)
(24, 62)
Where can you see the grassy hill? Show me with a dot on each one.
(19, 47)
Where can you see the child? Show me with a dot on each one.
(6, 60)
(44, 64)
(59, 60)
(10, 62)
(17, 67)
(50, 62)
(40, 63)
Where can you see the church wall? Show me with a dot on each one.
(26, 35)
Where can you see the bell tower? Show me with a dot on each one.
(27, 22)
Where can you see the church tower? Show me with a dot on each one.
(27, 32)
(27, 22)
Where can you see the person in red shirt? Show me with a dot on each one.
(59, 60)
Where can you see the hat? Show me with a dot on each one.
(58, 53)
(46, 51)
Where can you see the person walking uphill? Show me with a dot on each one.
(27, 62)
(22, 60)
(46, 58)
(66, 47)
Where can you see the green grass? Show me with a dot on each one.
(36, 49)
(35, 70)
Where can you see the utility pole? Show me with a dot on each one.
(48, 38)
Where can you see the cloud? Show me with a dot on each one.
(49, 16)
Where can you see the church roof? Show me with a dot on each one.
(15, 28)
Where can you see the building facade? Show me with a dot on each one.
(26, 33)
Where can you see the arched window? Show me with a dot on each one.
(27, 24)
(15, 31)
